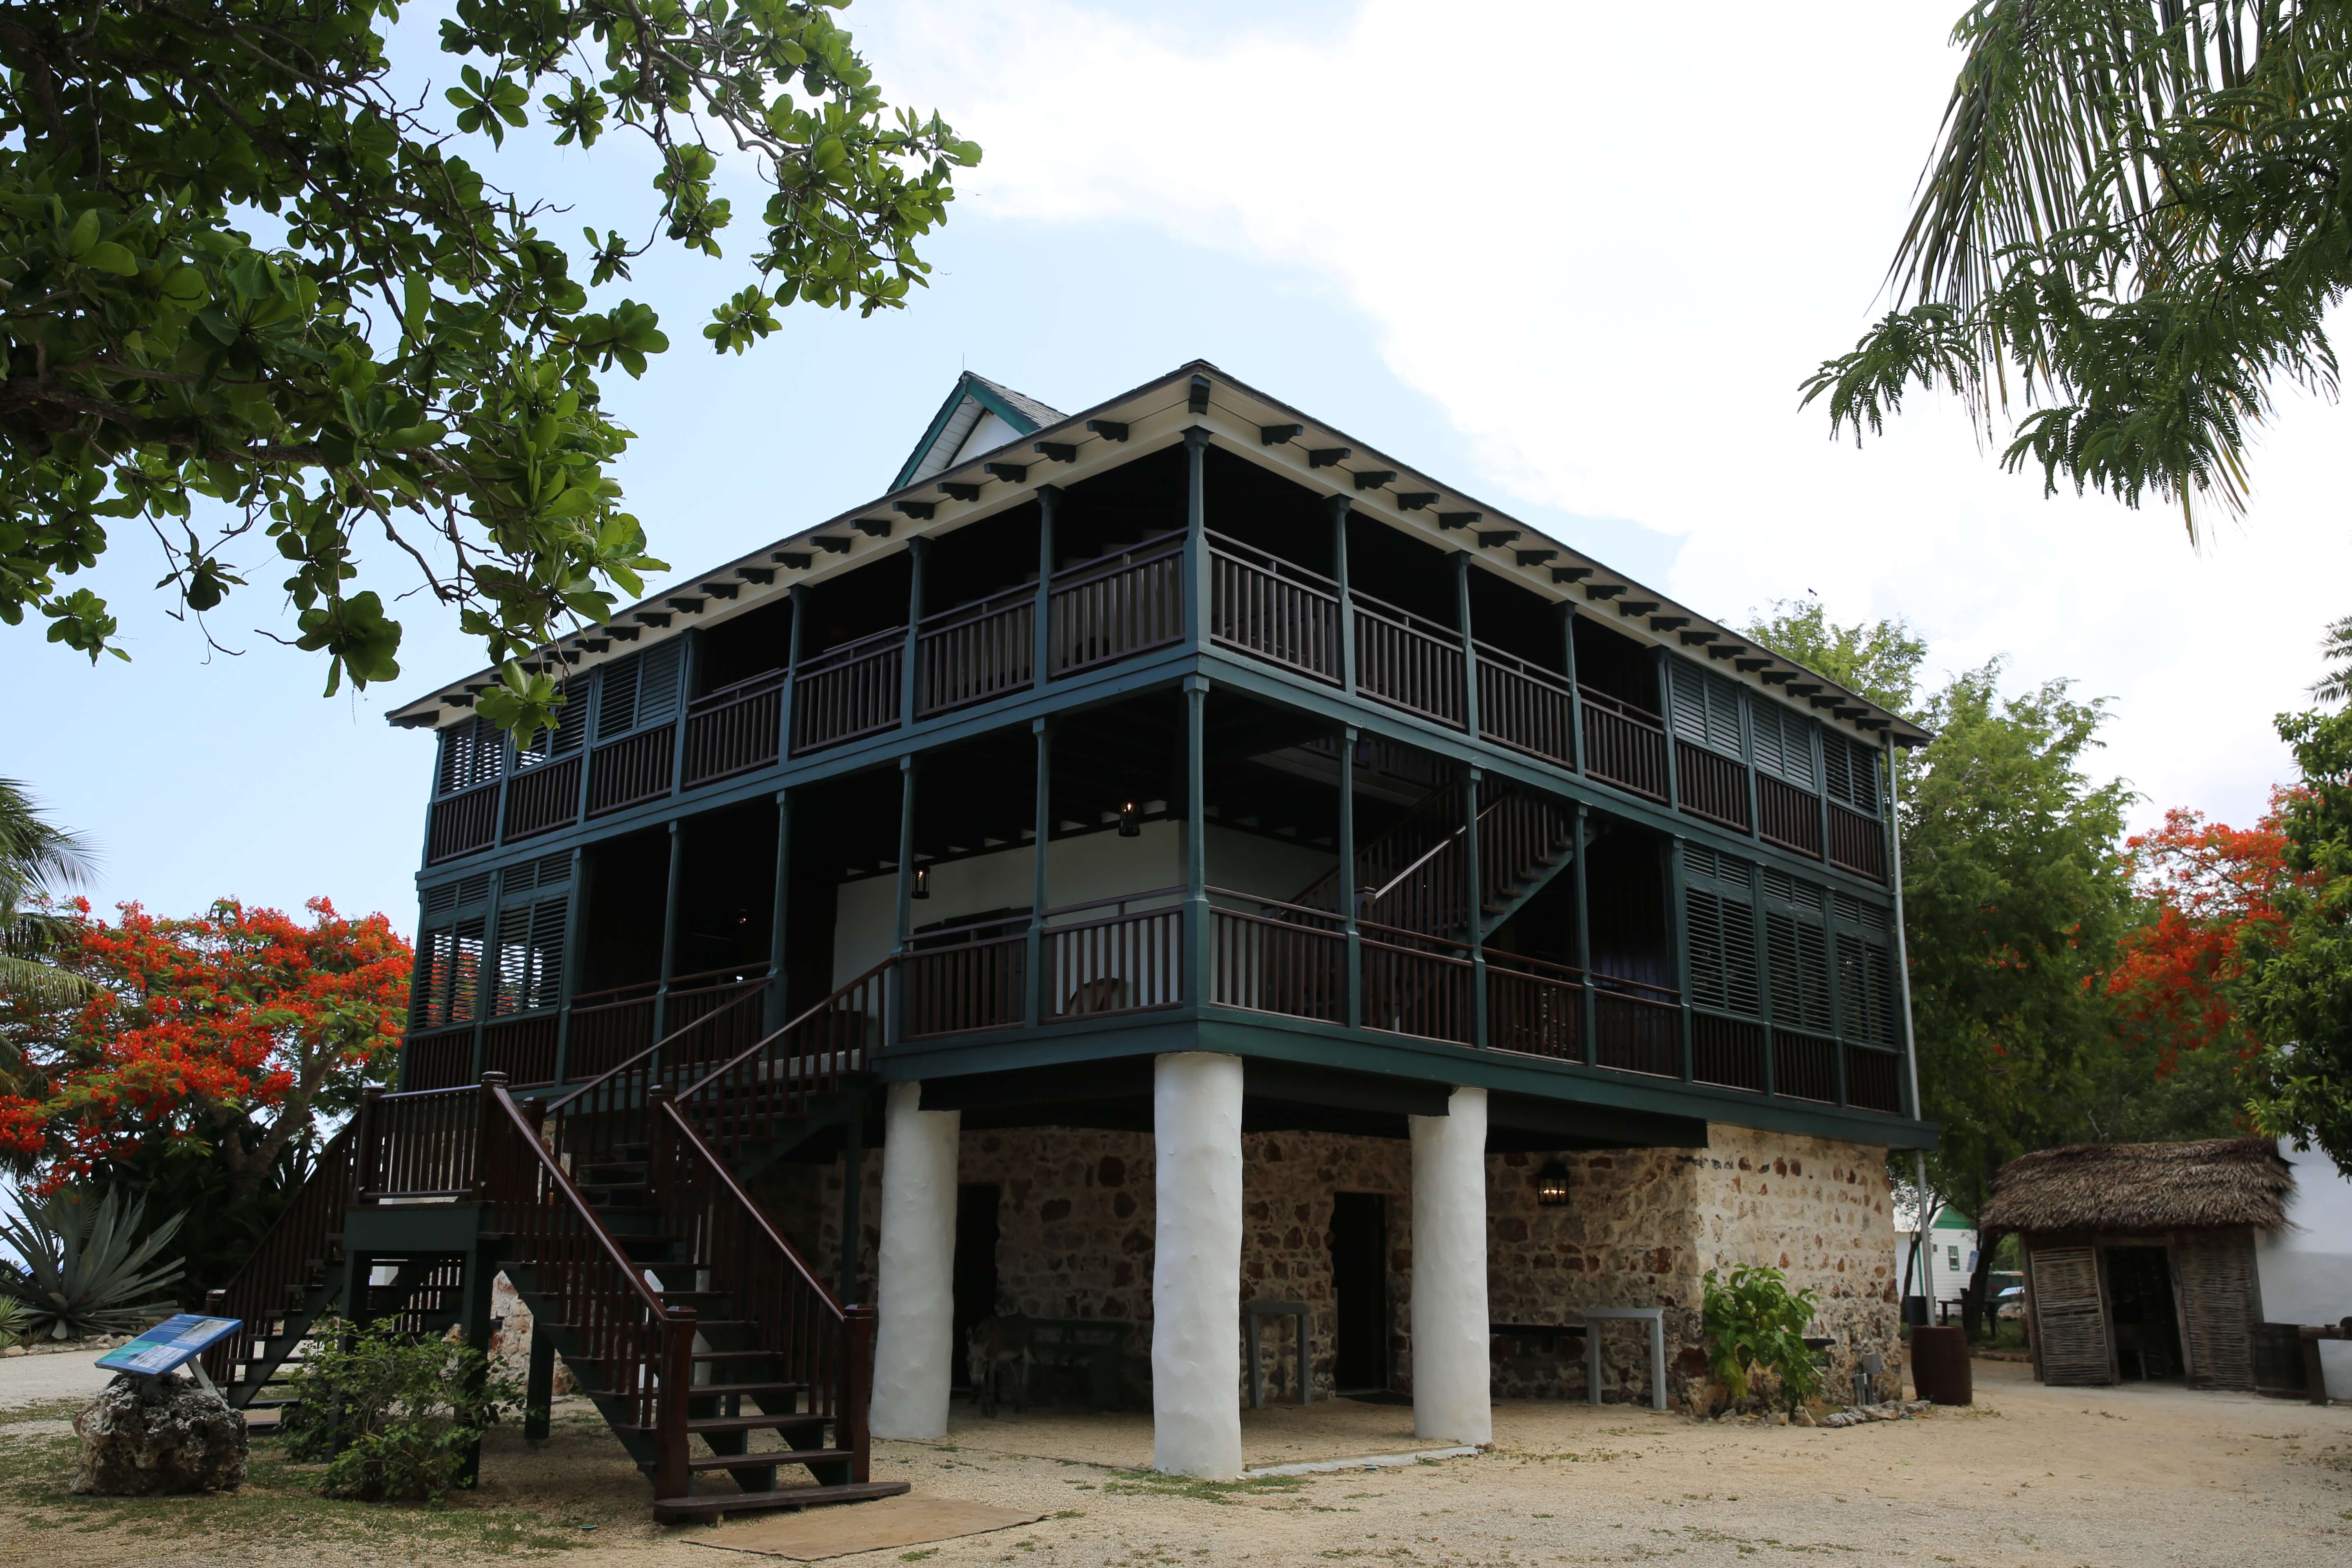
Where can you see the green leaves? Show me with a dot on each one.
(1753, 1323)
(406, 358)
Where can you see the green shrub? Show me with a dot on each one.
(83, 1268)
(395, 1416)
(15, 1321)
(1756, 1322)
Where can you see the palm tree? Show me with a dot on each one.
(2132, 224)
(37, 858)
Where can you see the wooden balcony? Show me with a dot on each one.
(1409, 663)
(735, 728)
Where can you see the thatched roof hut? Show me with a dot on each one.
(2128, 1187)
(2139, 1257)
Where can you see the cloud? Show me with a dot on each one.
(1609, 243)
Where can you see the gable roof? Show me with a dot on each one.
(1256, 423)
(2143, 1186)
(974, 398)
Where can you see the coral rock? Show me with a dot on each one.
(147, 1437)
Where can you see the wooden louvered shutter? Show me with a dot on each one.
(2070, 1320)
(2213, 1275)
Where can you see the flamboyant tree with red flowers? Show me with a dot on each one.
(221, 1038)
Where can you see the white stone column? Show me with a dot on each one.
(914, 1296)
(1196, 1266)
(1450, 1379)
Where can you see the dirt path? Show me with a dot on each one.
(2110, 1478)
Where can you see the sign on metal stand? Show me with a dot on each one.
(174, 1343)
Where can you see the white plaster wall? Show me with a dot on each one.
(986, 436)
(1450, 1375)
(1077, 870)
(1196, 1360)
(2305, 1270)
(914, 1285)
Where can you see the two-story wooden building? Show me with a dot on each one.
(1217, 865)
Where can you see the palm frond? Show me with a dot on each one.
(2337, 649)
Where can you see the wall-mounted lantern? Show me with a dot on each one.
(1551, 1186)
(922, 881)
(1130, 821)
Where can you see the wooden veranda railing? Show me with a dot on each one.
(1786, 815)
(1535, 1007)
(1120, 606)
(1710, 785)
(1103, 956)
(1857, 842)
(1526, 707)
(1268, 608)
(848, 692)
(1418, 984)
(753, 1095)
(1623, 745)
(542, 798)
(1275, 957)
(1409, 663)
(461, 824)
(634, 768)
(1729, 1051)
(1637, 1027)
(967, 978)
(734, 729)
(976, 651)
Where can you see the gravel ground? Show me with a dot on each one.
(2029, 1476)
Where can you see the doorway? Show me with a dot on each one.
(974, 1290)
(1359, 1288)
(2147, 1327)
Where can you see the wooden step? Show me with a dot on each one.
(713, 1390)
(756, 1423)
(768, 1460)
(668, 1509)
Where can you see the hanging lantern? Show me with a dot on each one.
(1130, 821)
(922, 881)
(1551, 1186)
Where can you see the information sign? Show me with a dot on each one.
(169, 1345)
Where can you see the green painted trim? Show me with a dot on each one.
(967, 385)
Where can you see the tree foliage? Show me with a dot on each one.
(395, 1417)
(220, 1039)
(2133, 224)
(38, 859)
(246, 275)
(1877, 659)
(2296, 989)
(1753, 1323)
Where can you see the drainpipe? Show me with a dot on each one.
(1910, 1041)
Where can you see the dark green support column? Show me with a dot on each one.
(852, 1195)
(798, 595)
(689, 671)
(539, 1384)
(1349, 912)
(1819, 740)
(1584, 935)
(896, 1022)
(774, 1010)
(575, 908)
(1036, 1010)
(1469, 643)
(1666, 712)
(1197, 932)
(1475, 872)
(1575, 692)
(1049, 503)
(1678, 919)
(910, 686)
(1196, 535)
(1339, 508)
(669, 927)
(476, 1326)
(1747, 755)
(486, 995)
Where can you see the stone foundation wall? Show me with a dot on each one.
(1640, 1227)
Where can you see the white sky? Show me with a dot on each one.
(1576, 259)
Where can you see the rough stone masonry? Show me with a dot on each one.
(1640, 1229)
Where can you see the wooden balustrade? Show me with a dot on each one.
(1873, 1080)
(976, 651)
(1122, 962)
(608, 1028)
(1534, 1007)
(708, 1023)
(1263, 606)
(1281, 958)
(1519, 833)
(439, 1058)
(1623, 745)
(421, 1144)
(734, 730)
(1786, 815)
(1636, 1027)
(523, 1049)
(1417, 984)
(1804, 1066)
(849, 691)
(462, 823)
(1711, 784)
(1409, 663)
(756, 1094)
(1857, 842)
(633, 769)
(1526, 707)
(1729, 1052)
(288, 1254)
(960, 982)
(543, 798)
(1109, 609)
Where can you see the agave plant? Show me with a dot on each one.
(83, 1268)
(14, 1321)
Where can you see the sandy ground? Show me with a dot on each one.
(2029, 1476)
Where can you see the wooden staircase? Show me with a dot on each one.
(1412, 879)
(712, 1350)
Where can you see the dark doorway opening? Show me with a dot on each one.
(2148, 1329)
(1359, 1288)
(975, 1270)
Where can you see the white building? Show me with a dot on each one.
(2306, 1268)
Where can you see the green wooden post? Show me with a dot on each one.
(898, 1021)
(853, 1195)
(1476, 923)
(1049, 503)
(1036, 1011)
(485, 983)
(1584, 936)
(1759, 923)
(774, 1011)
(1575, 692)
(1197, 935)
(575, 906)
(1338, 506)
(669, 927)
(1666, 712)
(1354, 984)
(1678, 921)
(919, 552)
(1902, 943)
(1196, 535)
(1747, 755)
(689, 671)
(1469, 643)
(1837, 984)
(798, 595)
(1817, 737)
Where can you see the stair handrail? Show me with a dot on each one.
(1426, 804)
(682, 1127)
(753, 1049)
(513, 1190)
(617, 1069)
(307, 1218)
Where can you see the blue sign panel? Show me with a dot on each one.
(169, 1345)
